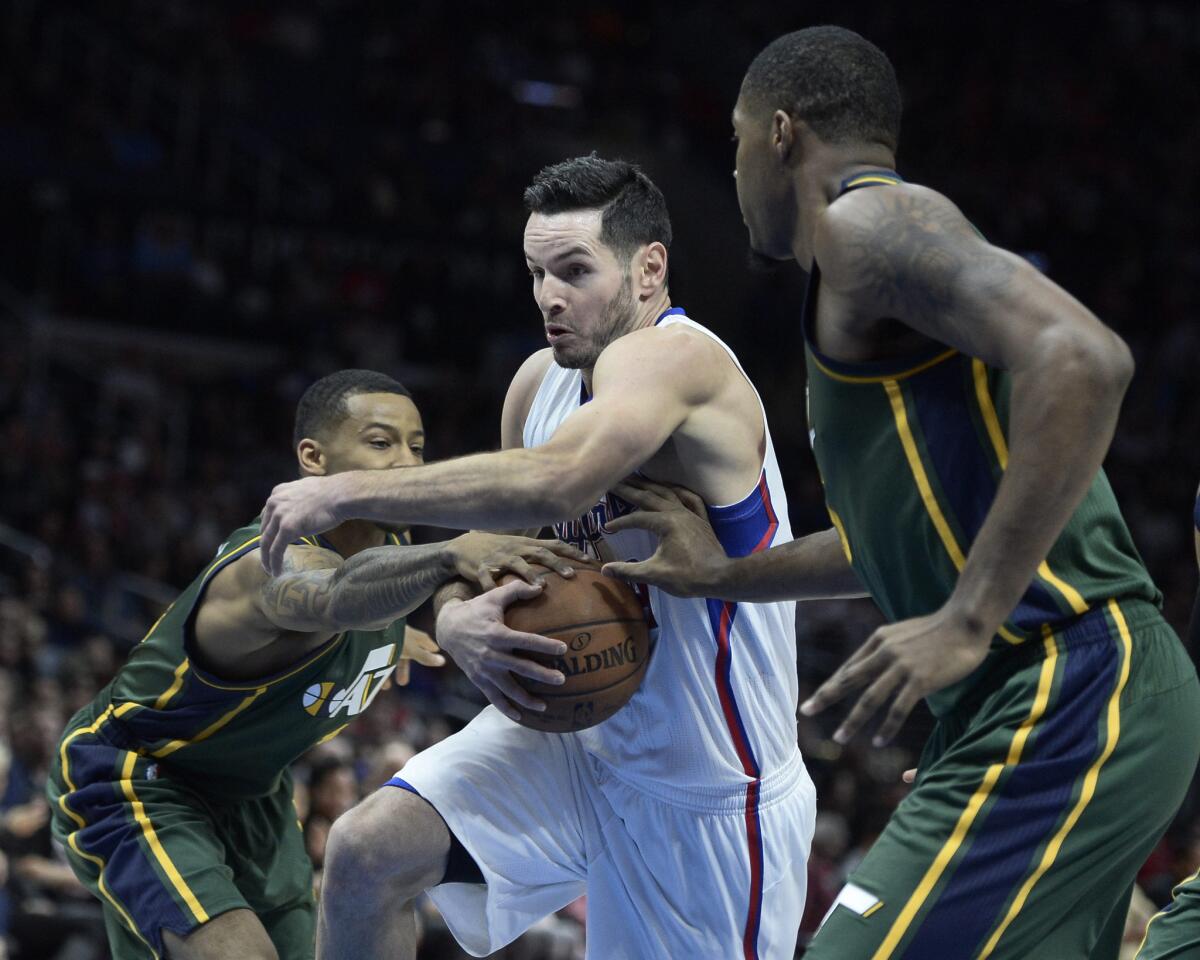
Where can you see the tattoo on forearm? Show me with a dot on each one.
(372, 587)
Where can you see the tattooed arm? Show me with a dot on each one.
(907, 253)
(319, 593)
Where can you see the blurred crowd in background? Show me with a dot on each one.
(207, 205)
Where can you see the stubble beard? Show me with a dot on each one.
(617, 315)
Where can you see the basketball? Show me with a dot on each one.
(602, 622)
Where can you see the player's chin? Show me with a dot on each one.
(570, 359)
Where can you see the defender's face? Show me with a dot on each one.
(762, 184)
(580, 286)
(381, 431)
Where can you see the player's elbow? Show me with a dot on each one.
(1096, 362)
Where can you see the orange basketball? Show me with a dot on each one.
(602, 622)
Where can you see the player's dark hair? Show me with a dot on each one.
(840, 84)
(323, 404)
(635, 212)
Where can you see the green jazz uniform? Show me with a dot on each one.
(1058, 763)
(1174, 933)
(171, 792)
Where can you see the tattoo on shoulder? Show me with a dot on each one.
(911, 258)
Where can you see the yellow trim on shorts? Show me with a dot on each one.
(1174, 891)
(160, 853)
(172, 746)
(108, 895)
(72, 843)
(1085, 794)
(992, 422)
(930, 880)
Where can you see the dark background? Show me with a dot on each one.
(208, 205)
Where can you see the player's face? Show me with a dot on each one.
(381, 431)
(762, 184)
(582, 288)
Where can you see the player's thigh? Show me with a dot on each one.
(237, 933)
(145, 846)
(513, 797)
(1174, 932)
(672, 881)
(515, 800)
(992, 858)
(264, 847)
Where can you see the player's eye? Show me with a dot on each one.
(576, 270)
(418, 450)
(379, 443)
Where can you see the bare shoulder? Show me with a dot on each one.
(519, 399)
(880, 226)
(673, 354)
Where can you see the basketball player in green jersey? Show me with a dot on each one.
(959, 407)
(171, 791)
(1174, 932)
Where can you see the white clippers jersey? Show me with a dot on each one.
(716, 710)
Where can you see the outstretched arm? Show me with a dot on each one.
(907, 252)
(690, 561)
(319, 592)
(646, 384)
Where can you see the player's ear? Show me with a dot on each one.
(313, 462)
(650, 269)
(785, 135)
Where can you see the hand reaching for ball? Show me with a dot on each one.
(474, 634)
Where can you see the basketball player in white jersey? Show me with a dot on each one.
(687, 816)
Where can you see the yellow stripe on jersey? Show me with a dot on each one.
(841, 532)
(902, 922)
(896, 398)
(870, 178)
(160, 853)
(1088, 790)
(174, 688)
(208, 731)
(902, 375)
(991, 421)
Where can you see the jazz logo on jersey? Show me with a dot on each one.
(357, 696)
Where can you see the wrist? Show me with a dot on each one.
(712, 578)
(974, 621)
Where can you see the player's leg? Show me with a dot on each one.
(380, 857)
(507, 798)
(237, 933)
(1174, 932)
(729, 883)
(143, 844)
(1031, 816)
(264, 845)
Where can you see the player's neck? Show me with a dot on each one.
(646, 315)
(354, 536)
(819, 183)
